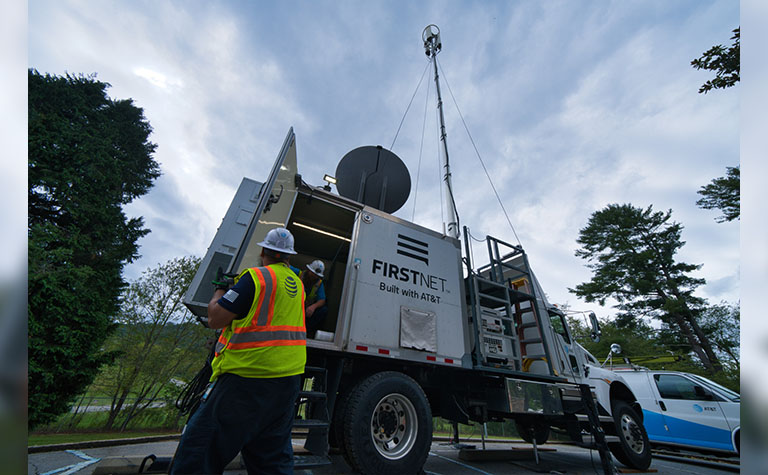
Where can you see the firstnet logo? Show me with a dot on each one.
(405, 274)
(413, 248)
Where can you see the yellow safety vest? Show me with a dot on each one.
(313, 291)
(271, 341)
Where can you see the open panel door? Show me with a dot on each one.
(278, 194)
(255, 209)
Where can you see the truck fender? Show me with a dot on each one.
(619, 391)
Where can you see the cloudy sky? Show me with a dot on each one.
(572, 106)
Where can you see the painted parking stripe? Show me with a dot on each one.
(70, 469)
(459, 463)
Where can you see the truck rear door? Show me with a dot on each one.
(255, 209)
(273, 209)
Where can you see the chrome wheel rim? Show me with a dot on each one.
(394, 426)
(632, 434)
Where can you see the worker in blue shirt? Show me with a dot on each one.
(315, 308)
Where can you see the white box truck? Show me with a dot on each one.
(416, 330)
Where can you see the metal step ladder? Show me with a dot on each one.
(599, 439)
(497, 342)
(532, 347)
(312, 419)
(505, 287)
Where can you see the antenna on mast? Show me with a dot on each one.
(432, 46)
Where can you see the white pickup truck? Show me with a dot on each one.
(686, 410)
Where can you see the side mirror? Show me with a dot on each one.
(596, 333)
(615, 348)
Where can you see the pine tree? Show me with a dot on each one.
(631, 252)
(88, 156)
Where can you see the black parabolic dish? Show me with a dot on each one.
(374, 176)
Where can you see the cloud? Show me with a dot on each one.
(570, 108)
(158, 79)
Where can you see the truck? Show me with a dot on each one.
(685, 410)
(416, 329)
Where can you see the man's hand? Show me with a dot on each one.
(309, 311)
(222, 281)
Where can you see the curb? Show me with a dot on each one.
(100, 443)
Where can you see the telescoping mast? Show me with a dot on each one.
(432, 46)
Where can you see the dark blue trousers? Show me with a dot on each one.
(249, 415)
(316, 320)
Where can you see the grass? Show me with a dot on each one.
(69, 437)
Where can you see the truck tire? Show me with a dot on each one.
(633, 448)
(388, 425)
(540, 432)
(336, 434)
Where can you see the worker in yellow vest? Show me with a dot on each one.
(248, 406)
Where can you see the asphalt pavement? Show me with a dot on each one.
(443, 459)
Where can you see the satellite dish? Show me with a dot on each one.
(375, 177)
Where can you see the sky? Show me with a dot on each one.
(571, 105)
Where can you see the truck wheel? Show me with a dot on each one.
(336, 434)
(387, 425)
(633, 448)
(540, 432)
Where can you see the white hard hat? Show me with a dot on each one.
(279, 240)
(317, 267)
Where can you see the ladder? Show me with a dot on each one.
(497, 343)
(312, 419)
(599, 440)
(504, 287)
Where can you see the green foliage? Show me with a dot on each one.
(724, 193)
(158, 341)
(663, 349)
(725, 62)
(722, 324)
(636, 337)
(631, 252)
(87, 156)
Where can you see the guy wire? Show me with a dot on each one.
(478, 154)
(409, 106)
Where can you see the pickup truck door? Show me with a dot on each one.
(691, 413)
(565, 358)
(647, 395)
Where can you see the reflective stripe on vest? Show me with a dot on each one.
(252, 339)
